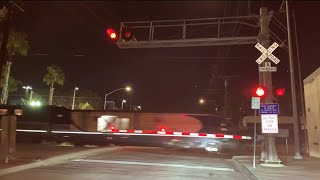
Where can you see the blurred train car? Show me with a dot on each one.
(93, 127)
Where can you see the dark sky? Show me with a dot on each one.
(161, 81)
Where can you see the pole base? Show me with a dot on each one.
(297, 157)
(271, 165)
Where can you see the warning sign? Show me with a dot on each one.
(269, 123)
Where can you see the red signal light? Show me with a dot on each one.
(126, 34)
(112, 34)
(112, 127)
(163, 129)
(260, 91)
(280, 91)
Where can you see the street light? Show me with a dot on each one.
(35, 103)
(128, 89)
(27, 88)
(74, 96)
(201, 101)
(123, 101)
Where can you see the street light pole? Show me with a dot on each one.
(123, 101)
(31, 92)
(30, 97)
(105, 96)
(74, 96)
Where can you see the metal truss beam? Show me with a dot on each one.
(209, 32)
(188, 42)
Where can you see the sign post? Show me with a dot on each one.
(255, 104)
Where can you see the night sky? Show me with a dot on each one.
(72, 34)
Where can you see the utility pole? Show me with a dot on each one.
(293, 90)
(265, 78)
(226, 80)
(303, 107)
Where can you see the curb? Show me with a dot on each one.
(243, 169)
(56, 160)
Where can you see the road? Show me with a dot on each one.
(143, 163)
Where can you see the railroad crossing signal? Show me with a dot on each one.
(267, 53)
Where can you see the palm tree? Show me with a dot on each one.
(54, 75)
(13, 86)
(17, 45)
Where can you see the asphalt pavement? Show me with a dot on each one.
(130, 163)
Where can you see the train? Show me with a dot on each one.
(170, 130)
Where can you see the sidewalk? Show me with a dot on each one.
(307, 169)
(31, 155)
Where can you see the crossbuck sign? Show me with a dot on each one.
(267, 53)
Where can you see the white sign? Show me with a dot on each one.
(255, 103)
(267, 53)
(269, 123)
(267, 68)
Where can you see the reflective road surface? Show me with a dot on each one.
(142, 163)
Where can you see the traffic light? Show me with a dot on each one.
(112, 34)
(280, 91)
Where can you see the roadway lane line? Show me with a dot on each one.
(153, 164)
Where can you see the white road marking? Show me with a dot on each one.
(153, 164)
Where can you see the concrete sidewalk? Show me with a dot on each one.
(34, 155)
(307, 169)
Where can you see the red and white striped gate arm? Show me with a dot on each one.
(143, 133)
(170, 133)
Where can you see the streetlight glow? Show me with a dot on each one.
(201, 101)
(128, 88)
(27, 88)
(35, 103)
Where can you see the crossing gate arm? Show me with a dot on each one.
(141, 133)
(170, 133)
